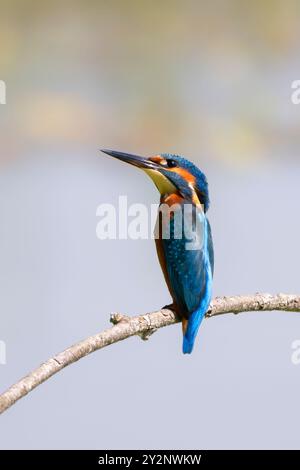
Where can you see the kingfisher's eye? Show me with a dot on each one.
(171, 163)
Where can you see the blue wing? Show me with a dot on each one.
(188, 265)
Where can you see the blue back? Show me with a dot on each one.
(190, 272)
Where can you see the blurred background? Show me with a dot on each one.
(208, 80)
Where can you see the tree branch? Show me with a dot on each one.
(144, 326)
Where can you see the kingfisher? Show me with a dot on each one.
(183, 235)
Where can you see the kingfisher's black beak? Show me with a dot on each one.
(140, 162)
(156, 171)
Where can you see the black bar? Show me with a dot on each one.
(135, 458)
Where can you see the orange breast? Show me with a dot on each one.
(170, 200)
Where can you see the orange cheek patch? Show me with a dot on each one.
(186, 175)
(157, 159)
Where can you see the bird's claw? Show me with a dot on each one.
(169, 307)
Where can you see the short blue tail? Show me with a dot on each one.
(189, 336)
